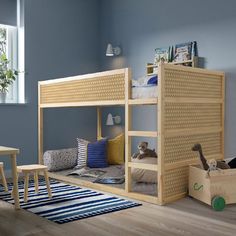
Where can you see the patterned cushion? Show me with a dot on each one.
(97, 154)
(60, 159)
(82, 153)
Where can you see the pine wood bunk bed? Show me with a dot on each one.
(190, 109)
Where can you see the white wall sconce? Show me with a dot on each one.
(110, 52)
(111, 120)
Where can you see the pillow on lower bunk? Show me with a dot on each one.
(93, 155)
(144, 176)
(82, 153)
(97, 154)
(116, 150)
(60, 159)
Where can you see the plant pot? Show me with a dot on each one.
(3, 96)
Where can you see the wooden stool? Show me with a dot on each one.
(4, 182)
(26, 170)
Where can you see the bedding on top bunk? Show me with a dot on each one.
(145, 87)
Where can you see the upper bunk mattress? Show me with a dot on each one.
(144, 92)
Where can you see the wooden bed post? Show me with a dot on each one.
(99, 123)
(40, 128)
(223, 117)
(160, 136)
(128, 118)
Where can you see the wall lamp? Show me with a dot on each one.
(111, 120)
(112, 51)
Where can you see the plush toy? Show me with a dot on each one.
(212, 166)
(144, 151)
(205, 165)
(232, 163)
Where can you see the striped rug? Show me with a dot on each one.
(68, 203)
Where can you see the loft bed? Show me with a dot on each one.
(190, 109)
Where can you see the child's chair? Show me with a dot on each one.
(35, 169)
(4, 182)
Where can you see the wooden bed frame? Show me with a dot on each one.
(190, 109)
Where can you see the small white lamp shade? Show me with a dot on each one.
(109, 120)
(109, 51)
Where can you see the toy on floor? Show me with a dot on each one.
(232, 163)
(205, 166)
(144, 151)
(217, 190)
(212, 163)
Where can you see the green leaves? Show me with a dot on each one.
(7, 75)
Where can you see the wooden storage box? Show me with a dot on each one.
(216, 189)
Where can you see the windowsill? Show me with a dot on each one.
(13, 104)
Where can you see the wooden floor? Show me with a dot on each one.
(185, 217)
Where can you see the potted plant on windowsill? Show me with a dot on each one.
(7, 77)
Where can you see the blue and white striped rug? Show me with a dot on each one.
(68, 203)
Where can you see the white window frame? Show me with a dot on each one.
(12, 56)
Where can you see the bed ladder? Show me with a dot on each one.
(129, 103)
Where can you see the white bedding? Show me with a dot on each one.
(144, 92)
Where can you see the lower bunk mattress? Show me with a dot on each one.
(113, 171)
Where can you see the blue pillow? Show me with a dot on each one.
(97, 154)
(153, 80)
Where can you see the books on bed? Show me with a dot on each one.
(110, 180)
(162, 55)
(184, 51)
(85, 172)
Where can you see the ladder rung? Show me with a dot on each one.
(147, 101)
(143, 133)
(143, 166)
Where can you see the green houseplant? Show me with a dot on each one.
(7, 75)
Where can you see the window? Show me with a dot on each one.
(8, 46)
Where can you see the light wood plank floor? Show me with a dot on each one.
(184, 217)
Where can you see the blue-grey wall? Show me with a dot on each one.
(141, 26)
(8, 12)
(64, 38)
(61, 39)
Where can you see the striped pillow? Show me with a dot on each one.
(97, 154)
(82, 153)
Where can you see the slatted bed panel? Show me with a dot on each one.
(193, 112)
(103, 86)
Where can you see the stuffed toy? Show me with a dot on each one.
(205, 165)
(232, 163)
(144, 151)
(212, 166)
